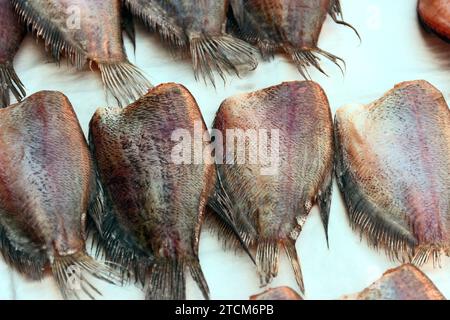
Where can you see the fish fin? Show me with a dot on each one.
(423, 253)
(155, 18)
(307, 57)
(267, 260)
(337, 16)
(9, 81)
(232, 233)
(124, 80)
(29, 265)
(128, 25)
(324, 202)
(398, 242)
(167, 280)
(291, 252)
(69, 274)
(221, 54)
(53, 37)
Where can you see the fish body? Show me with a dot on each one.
(393, 167)
(198, 26)
(281, 293)
(11, 36)
(402, 283)
(156, 205)
(47, 185)
(289, 26)
(269, 208)
(435, 15)
(87, 30)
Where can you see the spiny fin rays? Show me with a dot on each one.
(337, 16)
(10, 82)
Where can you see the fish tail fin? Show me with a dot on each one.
(291, 252)
(69, 274)
(310, 57)
(168, 282)
(124, 80)
(324, 202)
(336, 14)
(424, 253)
(221, 54)
(267, 260)
(9, 81)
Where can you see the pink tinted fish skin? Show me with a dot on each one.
(11, 36)
(281, 293)
(393, 168)
(435, 15)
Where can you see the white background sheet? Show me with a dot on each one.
(394, 49)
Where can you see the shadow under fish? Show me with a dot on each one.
(198, 26)
(154, 204)
(47, 185)
(87, 31)
(11, 36)
(393, 168)
(277, 163)
(289, 26)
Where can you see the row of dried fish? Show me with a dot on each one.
(391, 158)
(406, 282)
(216, 39)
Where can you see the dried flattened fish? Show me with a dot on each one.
(198, 26)
(11, 36)
(435, 16)
(268, 194)
(87, 30)
(47, 184)
(155, 205)
(281, 293)
(289, 26)
(393, 168)
(402, 283)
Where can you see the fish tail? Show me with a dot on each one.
(291, 252)
(324, 202)
(124, 80)
(69, 272)
(168, 282)
(336, 14)
(9, 81)
(267, 260)
(310, 57)
(221, 54)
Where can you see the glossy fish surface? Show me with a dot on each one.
(286, 132)
(47, 185)
(393, 168)
(11, 36)
(435, 15)
(198, 26)
(281, 293)
(155, 203)
(402, 283)
(87, 31)
(289, 26)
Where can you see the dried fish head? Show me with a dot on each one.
(11, 36)
(393, 168)
(46, 187)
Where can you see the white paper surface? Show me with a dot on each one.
(394, 49)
